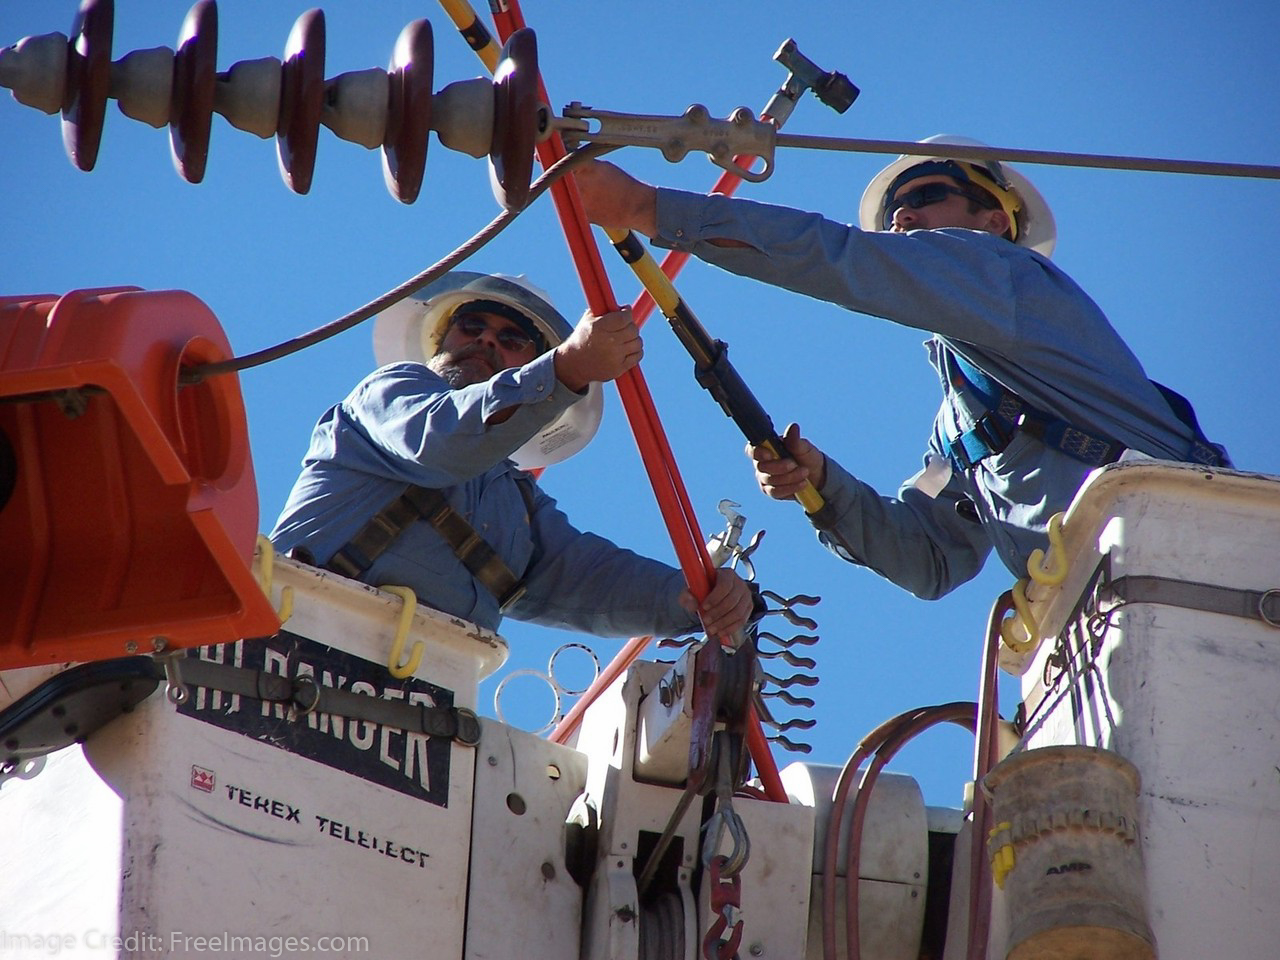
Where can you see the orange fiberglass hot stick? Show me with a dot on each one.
(578, 233)
(655, 451)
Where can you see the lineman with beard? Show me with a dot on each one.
(482, 379)
(1038, 388)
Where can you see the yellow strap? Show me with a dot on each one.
(1002, 857)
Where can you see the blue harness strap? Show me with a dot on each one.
(1008, 413)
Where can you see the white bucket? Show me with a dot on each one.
(1076, 886)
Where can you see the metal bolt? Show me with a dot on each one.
(665, 695)
(756, 949)
(158, 644)
(493, 761)
(130, 647)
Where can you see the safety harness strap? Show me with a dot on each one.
(429, 504)
(1008, 413)
(1261, 605)
(307, 696)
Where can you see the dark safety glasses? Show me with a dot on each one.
(512, 339)
(927, 194)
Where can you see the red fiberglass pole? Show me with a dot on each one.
(655, 452)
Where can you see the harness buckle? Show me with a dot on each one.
(993, 432)
(511, 596)
(987, 436)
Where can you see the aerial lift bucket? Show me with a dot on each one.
(128, 509)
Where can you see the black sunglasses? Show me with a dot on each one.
(512, 339)
(926, 195)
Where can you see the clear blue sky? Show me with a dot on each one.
(1184, 266)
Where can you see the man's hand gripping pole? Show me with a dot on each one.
(712, 368)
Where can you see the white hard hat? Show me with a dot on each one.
(1035, 227)
(413, 328)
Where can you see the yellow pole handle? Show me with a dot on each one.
(663, 291)
(473, 31)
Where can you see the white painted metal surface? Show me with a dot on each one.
(894, 867)
(664, 725)
(627, 809)
(1191, 698)
(776, 882)
(521, 899)
(227, 819)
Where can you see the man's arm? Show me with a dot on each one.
(600, 349)
(582, 581)
(405, 423)
(616, 200)
(919, 543)
(957, 283)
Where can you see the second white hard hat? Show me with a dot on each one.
(1036, 227)
(412, 330)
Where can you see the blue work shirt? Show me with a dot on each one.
(1008, 311)
(404, 424)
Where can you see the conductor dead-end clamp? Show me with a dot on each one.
(695, 130)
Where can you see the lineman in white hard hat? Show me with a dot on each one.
(1038, 388)
(412, 480)
(989, 184)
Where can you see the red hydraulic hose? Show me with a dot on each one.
(958, 713)
(986, 755)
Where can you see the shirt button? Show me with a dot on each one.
(679, 233)
(539, 388)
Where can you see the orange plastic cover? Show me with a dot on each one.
(128, 509)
